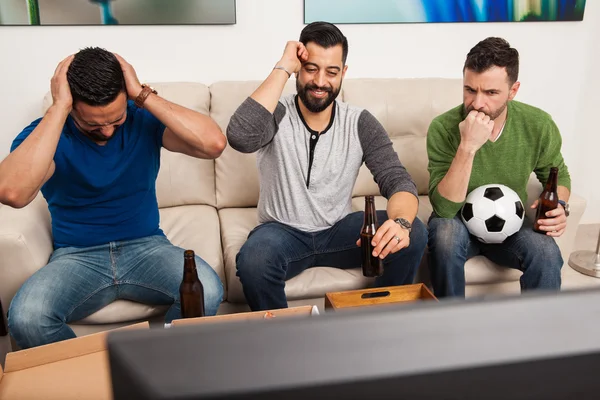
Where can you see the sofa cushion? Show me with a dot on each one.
(123, 311)
(236, 224)
(184, 180)
(196, 228)
(405, 108)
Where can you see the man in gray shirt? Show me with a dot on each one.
(310, 148)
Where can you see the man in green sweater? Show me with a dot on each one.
(491, 138)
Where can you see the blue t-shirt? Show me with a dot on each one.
(99, 194)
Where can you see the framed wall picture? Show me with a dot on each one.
(436, 11)
(117, 12)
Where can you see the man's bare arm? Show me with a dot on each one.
(29, 166)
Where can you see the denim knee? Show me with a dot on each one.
(28, 320)
(546, 257)
(213, 294)
(447, 236)
(254, 261)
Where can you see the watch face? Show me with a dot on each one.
(403, 223)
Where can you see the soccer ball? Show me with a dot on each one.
(492, 213)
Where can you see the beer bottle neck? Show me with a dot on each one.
(370, 212)
(189, 268)
(552, 183)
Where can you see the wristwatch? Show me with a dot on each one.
(146, 90)
(565, 206)
(404, 224)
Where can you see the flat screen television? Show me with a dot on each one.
(535, 346)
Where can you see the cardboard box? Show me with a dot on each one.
(302, 311)
(377, 296)
(72, 369)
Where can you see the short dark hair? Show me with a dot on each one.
(95, 77)
(325, 35)
(494, 51)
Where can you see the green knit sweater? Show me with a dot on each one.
(530, 142)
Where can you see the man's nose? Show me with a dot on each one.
(107, 130)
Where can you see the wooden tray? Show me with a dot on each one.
(377, 296)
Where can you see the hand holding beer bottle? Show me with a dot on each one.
(547, 220)
(371, 265)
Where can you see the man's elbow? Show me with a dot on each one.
(219, 145)
(216, 146)
(13, 198)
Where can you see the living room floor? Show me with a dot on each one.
(586, 239)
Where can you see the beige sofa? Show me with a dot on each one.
(210, 206)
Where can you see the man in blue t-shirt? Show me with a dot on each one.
(95, 156)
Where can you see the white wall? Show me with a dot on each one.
(558, 61)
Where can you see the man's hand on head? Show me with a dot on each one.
(293, 56)
(59, 86)
(134, 87)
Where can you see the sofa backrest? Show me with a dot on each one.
(405, 108)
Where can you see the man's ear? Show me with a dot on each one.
(344, 71)
(513, 90)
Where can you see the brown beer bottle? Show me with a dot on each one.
(548, 199)
(191, 291)
(3, 329)
(371, 266)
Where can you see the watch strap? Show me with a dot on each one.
(404, 224)
(566, 207)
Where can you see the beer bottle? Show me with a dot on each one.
(548, 199)
(3, 330)
(371, 265)
(191, 292)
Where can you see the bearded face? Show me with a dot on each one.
(316, 98)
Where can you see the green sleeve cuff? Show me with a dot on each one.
(443, 207)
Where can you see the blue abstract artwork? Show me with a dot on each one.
(437, 11)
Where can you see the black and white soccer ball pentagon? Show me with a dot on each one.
(492, 213)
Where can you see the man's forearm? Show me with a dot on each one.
(23, 171)
(197, 131)
(455, 184)
(563, 193)
(402, 205)
(269, 92)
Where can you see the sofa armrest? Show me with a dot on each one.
(25, 245)
(577, 205)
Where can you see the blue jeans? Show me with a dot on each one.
(80, 281)
(451, 245)
(275, 252)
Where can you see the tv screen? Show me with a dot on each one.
(535, 346)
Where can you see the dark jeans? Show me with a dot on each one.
(275, 252)
(451, 245)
